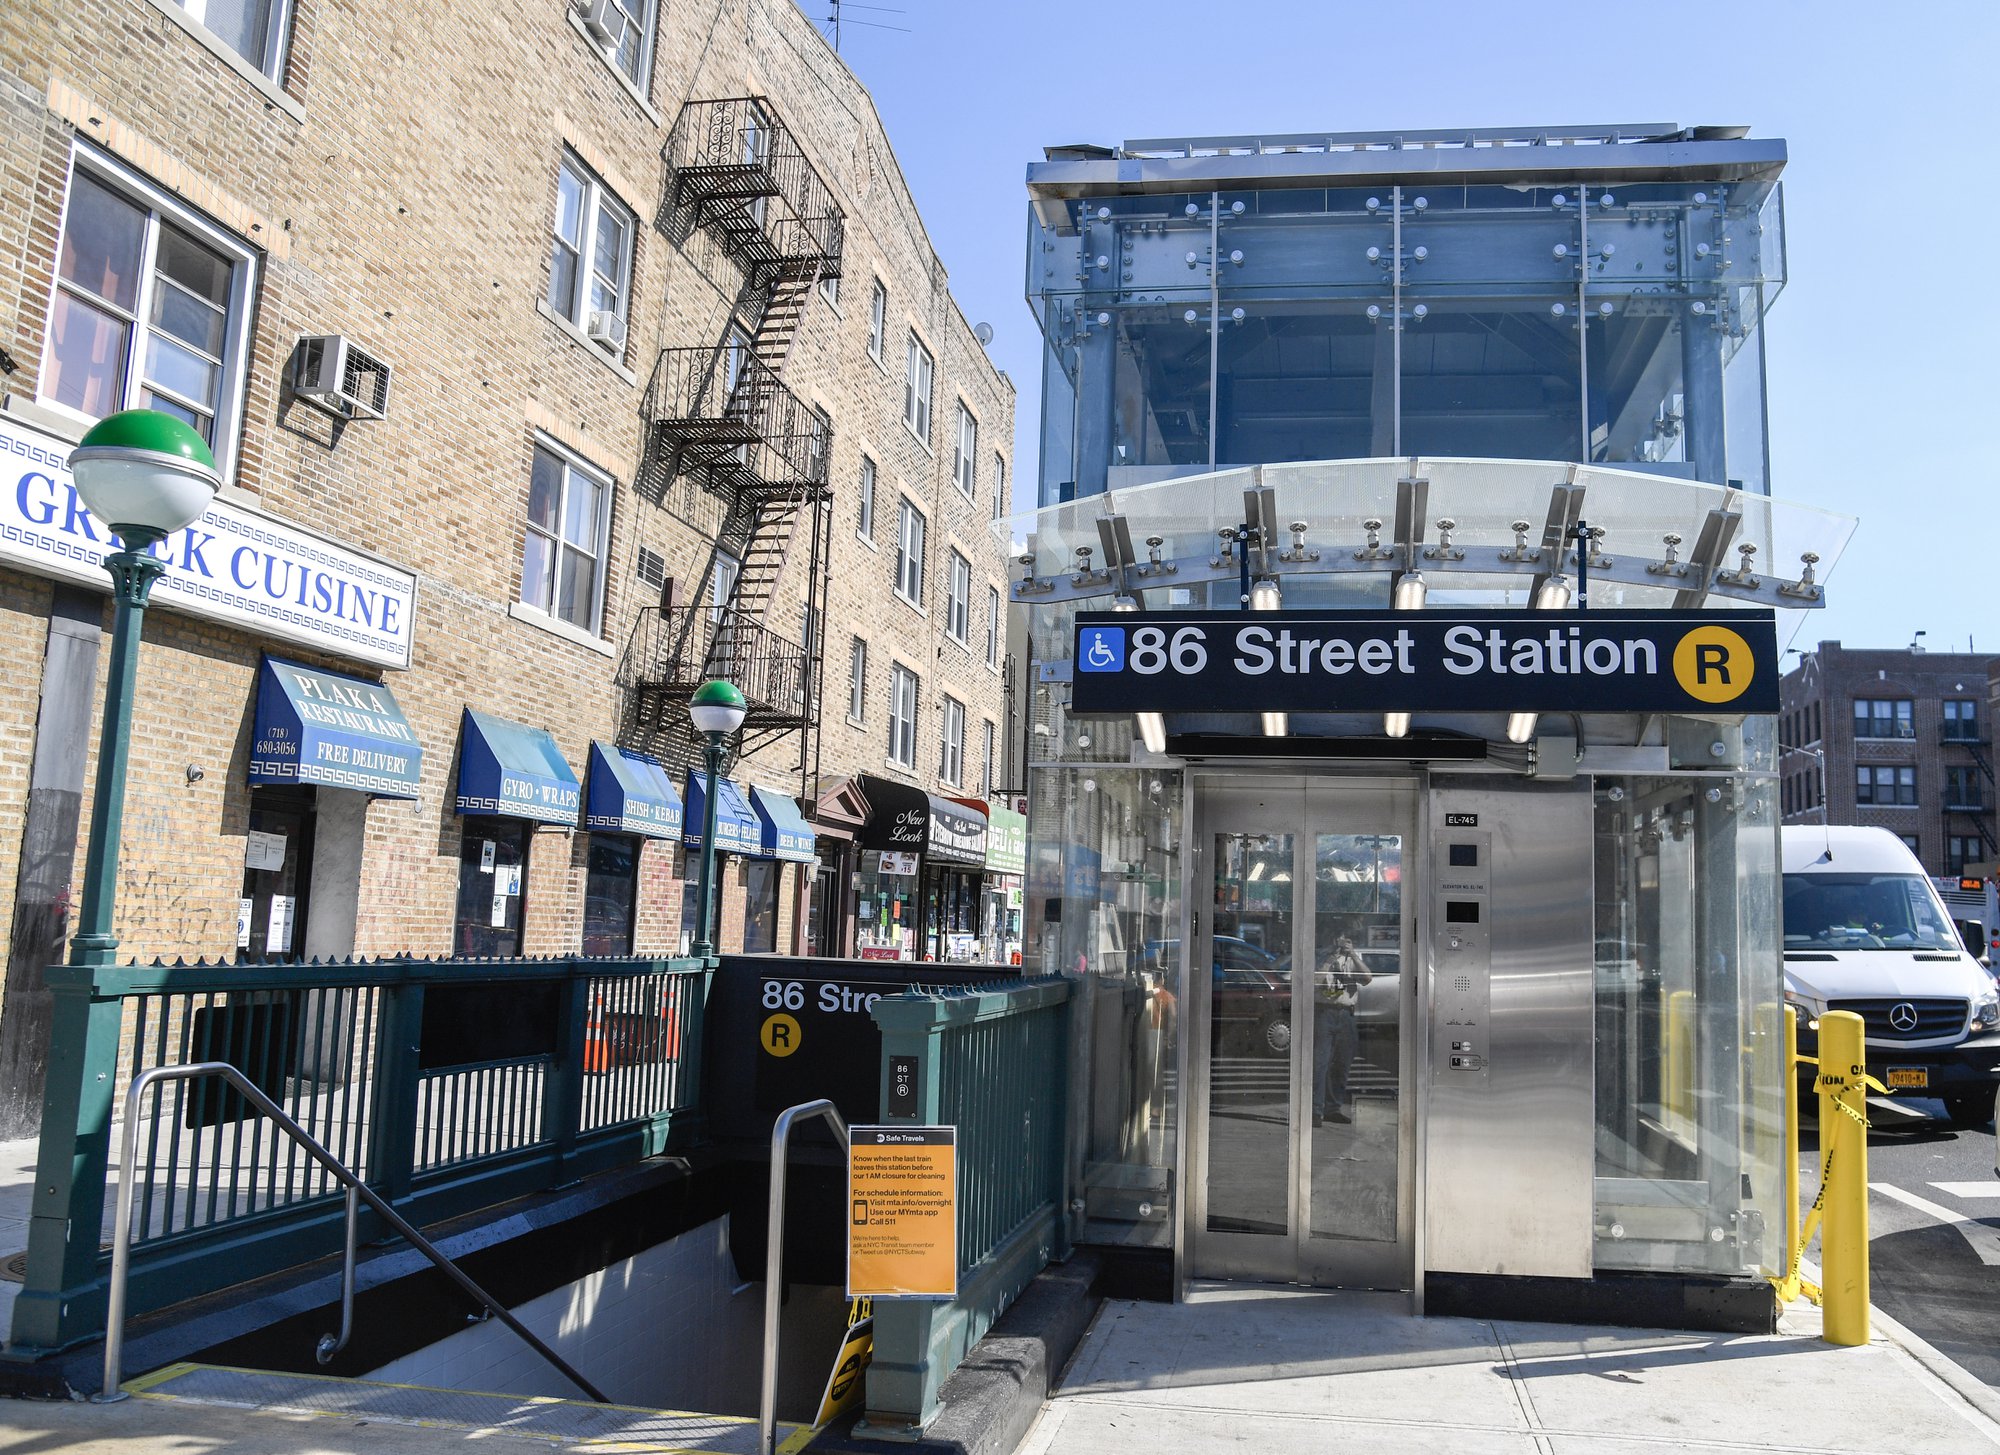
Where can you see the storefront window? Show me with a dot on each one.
(277, 874)
(610, 894)
(760, 906)
(492, 886)
(951, 915)
(885, 908)
(824, 900)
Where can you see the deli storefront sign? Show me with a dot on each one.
(234, 565)
(1430, 661)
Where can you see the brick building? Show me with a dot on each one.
(1899, 739)
(502, 589)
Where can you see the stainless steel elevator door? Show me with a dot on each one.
(1301, 1167)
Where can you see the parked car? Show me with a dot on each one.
(1253, 996)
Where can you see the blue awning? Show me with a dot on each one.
(516, 771)
(324, 727)
(783, 833)
(630, 793)
(736, 830)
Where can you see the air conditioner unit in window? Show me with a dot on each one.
(333, 373)
(605, 22)
(606, 328)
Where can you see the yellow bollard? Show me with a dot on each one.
(1843, 1128)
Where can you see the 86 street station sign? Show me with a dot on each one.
(1428, 661)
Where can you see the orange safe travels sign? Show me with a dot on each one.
(902, 1212)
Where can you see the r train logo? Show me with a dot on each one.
(1714, 664)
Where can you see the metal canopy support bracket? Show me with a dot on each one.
(1114, 533)
(1565, 509)
(1413, 498)
(1260, 513)
(1710, 548)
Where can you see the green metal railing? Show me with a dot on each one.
(992, 1062)
(446, 1085)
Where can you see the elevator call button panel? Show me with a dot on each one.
(1461, 935)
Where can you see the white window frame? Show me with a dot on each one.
(160, 205)
(992, 626)
(992, 762)
(864, 521)
(965, 454)
(829, 289)
(277, 43)
(573, 465)
(911, 530)
(722, 584)
(857, 682)
(951, 743)
(918, 365)
(643, 17)
(878, 320)
(1000, 501)
(905, 690)
(597, 199)
(958, 598)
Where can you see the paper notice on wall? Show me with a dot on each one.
(245, 909)
(486, 857)
(264, 852)
(499, 909)
(278, 931)
(507, 880)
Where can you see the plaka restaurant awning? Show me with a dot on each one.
(630, 793)
(515, 771)
(331, 729)
(903, 817)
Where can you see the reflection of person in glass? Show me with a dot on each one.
(1337, 986)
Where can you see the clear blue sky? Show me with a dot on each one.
(1882, 345)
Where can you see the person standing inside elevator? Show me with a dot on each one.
(1337, 982)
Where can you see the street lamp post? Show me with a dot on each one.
(145, 475)
(717, 709)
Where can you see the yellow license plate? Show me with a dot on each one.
(1915, 1078)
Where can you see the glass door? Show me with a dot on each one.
(1302, 1169)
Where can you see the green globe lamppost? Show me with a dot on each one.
(145, 475)
(717, 709)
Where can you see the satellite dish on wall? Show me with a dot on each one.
(984, 333)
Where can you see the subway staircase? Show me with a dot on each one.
(730, 447)
(446, 1415)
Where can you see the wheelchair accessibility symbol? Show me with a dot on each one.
(1102, 649)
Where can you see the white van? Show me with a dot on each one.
(1866, 932)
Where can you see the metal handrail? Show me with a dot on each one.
(357, 1191)
(774, 1258)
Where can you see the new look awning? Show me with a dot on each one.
(515, 771)
(331, 729)
(630, 793)
(736, 830)
(783, 833)
(903, 817)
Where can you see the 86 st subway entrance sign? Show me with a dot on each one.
(1428, 661)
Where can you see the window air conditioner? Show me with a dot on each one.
(329, 371)
(605, 22)
(606, 328)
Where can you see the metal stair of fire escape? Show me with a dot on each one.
(736, 171)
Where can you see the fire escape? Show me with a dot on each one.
(1970, 803)
(728, 441)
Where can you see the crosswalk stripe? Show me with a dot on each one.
(1984, 1240)
(1969, 1189)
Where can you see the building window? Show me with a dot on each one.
(857, 681)
(910, 552)
(1961, 721)
(1962, 788)
(254, 29)
(631, 49)
(917, 391)
(1961, 850)
(958, 604)
(878, 319)
(1812, 722)
(1912, 843)
(1000, 501)
(610, 894)
(1884, 718)
(1885, 787)
(149, 311)
(722, 576)
(829, 289)
(590, 261)
(864, 521)
(903, 716)
(951, 752)
(492, 885)
(992, 627)
(567, 515)
(760, 906)
(965, 455)
(987, 763)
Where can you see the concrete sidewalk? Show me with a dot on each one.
(1282, 1370)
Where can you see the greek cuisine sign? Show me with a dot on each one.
(233, 565)
(1430, 661)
